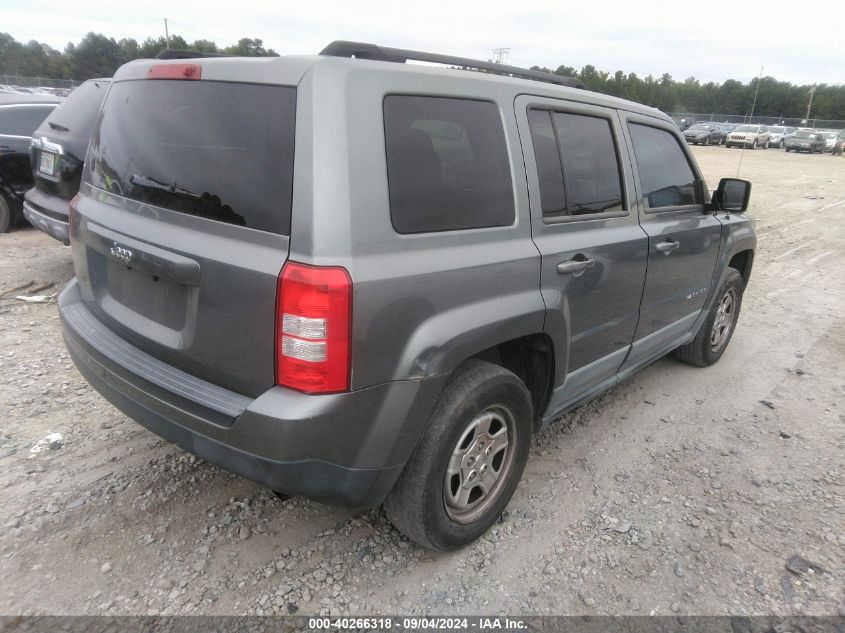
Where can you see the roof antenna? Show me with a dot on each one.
(753, 103)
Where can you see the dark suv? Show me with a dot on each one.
(20, 114)
(57, 151)
(365, 281)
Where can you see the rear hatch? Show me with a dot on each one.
(182, 224)
(58, 146)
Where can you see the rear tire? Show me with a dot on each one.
(469, 461)
(717, 330)
(5, 215)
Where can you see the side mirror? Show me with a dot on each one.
(733, 194)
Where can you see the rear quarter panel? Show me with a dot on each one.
(422, 303)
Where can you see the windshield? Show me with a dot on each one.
(805, 134)
(777, 129)
(747, 128)
(830, 134)
(220, 151)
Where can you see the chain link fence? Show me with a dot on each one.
(38, 82)
(826, 124)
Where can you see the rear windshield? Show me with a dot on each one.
(217, 150)
(78, 113)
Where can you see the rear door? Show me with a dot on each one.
(183, 220)
(17, 123)
(683, 239)
(584, 222)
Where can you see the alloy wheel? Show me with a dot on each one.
(724, 320)
(479, 465)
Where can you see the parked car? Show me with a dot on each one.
(830, 140)
(808, 141)
(57, 151)
(778, 135)
(20, 114)
(683, 123)
(750, 136)
(388, 311)
(726, 128)
(704, 134)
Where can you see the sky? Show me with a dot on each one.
(801, 42)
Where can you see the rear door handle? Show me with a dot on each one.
(667, 247)
(575, 266)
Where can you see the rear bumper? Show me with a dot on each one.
(345, 449)
(49, 214)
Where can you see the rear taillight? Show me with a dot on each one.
(71, 209)
(313, 325)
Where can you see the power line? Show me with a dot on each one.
(201, 32)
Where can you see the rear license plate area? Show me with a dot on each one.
(48, 163)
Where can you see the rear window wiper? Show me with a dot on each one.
(56, 126)
(152, 183)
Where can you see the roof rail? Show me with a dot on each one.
(362, 50)
(181, 53)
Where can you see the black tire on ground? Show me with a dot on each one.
(5, 215)
(754, 144)
(707, 141)
(718, 328)
(419, 504)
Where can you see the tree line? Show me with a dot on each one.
(99, 56)
(775, 98)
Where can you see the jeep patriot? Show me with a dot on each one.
(366, 281)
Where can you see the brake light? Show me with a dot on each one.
(70, 211)
(313, 325)
(175, 71)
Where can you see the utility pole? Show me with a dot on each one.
(500, 54)
(810, 105)
(166, 33)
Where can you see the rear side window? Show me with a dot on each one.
(547, 157)
(217, 150)
(447, 164)
(577, 164)
(78, 113)
(22, 120)
(666, 177)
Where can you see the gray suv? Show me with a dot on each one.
(365, 281)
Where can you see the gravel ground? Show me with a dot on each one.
(714, 491)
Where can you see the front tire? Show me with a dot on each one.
(754, 144)
(469, 461)
(717, 330)
(5, 215)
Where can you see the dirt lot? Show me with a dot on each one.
(682, 490)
